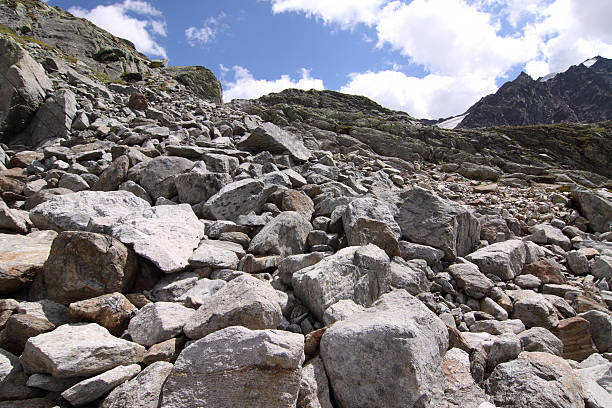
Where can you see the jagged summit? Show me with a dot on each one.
(583, 93)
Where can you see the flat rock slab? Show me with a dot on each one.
(22, 257)
(285, 235)
(166, 235)
(238, 198)
(93, 388)
(271, 138)
(72, 212)
(143, 391)
(237, 367)
(78, 350)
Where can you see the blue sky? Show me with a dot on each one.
(430, 58)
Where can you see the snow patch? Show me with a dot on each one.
(548, 77)
(590, 62)
(452, 122)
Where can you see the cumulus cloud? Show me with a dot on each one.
(245, 86)
(207, 33)
(433, 96)
(137, 21)
(465, 46)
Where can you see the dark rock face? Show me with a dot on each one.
(201, 81)
(580, 94)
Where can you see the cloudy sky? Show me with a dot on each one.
(430, 58)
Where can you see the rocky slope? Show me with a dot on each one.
(309, 249)
(583, 93)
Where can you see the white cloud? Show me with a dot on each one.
(346, 12)
(116, 19)
(245, 86)
(465, 45)
(433, 96)
(207, 32)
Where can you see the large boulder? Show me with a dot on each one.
(387, 356)
(53, 120)
(237, 367)
(157, 322)
(244, 301)
(23, 87)
(596, 206)
(112, 311)
(427, 219)
(535, 310)
(78, 350)
(369, 221)
(360, 274)
(166, 235)
(22, 258)
(503, 259)
(157, 176)
(535, 379)
(235, 199)
(469, 278)
(82, 265)
(72, 212)
(143, 391)
(285, 235)
(575, 333)
(601, 329)
(271, 138)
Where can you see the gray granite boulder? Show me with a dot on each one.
(166, 235)
(237, 367)
(90, 350)
(235, 199)
(83, 265)
(158, 321)
(244, 301)
(93, 388)
(387, 356)
(285, 235)
(596, 206)
(72, 212)
(143, 391)
(157, 175)
(535, 380)
(469, 278)
(271, 138)
(503, 259)
(427, 219)
(360, 274)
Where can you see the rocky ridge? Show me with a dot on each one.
(308, 249)
(583, 93)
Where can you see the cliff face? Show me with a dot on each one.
(583, 93)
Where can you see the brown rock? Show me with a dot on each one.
(312, 341)
(114, 175)
(138, 299)
(10, 185)
(112, 311)
(44, 195)
(547, 270)
(19, 328)
(583, 304)
(367, 231)
(25, 158)
(138, 101)
(486, 188)
(167, 350)
(575, 333)
(236, 237)
(298, 201)
(82, 265)
(21, 258)
(252, 264)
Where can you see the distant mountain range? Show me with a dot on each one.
(583, 93)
